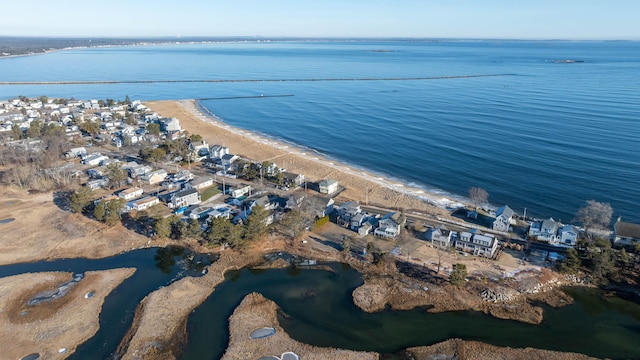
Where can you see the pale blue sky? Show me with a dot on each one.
(507, 19)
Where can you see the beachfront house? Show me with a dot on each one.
(439, 236)
(568, 235)
(319, 206)
(545, 230)
(346, 211)
(328, 186)
(625, 233)
(504, 217)
(477, 244)
(387, 227)
(227, 160)
(170, 124)
(218, 151)
(292, 180)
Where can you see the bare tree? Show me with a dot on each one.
(478, 196)
(594, 215)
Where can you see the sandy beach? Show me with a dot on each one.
(54, 328)
(360, 185)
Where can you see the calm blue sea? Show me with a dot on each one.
(545, 135)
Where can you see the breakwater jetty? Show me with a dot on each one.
(109, 82)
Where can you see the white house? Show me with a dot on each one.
(568, 235)
(154, 177)
(130, 193)
(439, 236)
(477, 244)
(76, 152)
(504, 216)
(218, 151)
(545, 230)
(145, 203)
(202, 183)
(228, 159)
(625, 233)
(387, 228)
(328, 186)
(170, 124)
(184, 197)
(239, 190)
(94, 159)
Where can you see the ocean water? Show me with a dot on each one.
(541, 134)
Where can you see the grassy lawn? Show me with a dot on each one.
(209, 192)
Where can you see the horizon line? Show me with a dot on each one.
(280, 38)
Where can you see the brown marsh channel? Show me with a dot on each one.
(155, 267)
(317, 309)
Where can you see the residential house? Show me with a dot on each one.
(328, 186)
(504, 216)
(201, 183)
(477, 244)
(144, 203)
(357, 221)
(199, 150)
(625, 233)
(568, 235)
(346, 211)
(292, 180)
(266, 203)
(94, 159)
(296, 200)
(76, 152)
(239, 190)
(319, 206)
(154, 177)
(228, 159)
(545, 230)
(218, 151)
(219, 210)
(387, 227)
(170, 124)
(183, 198)
(96, 184)
(130, 193)
(439, 236)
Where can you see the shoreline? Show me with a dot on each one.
(420, 191)
(360, 184)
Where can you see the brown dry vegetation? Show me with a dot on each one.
(255, 312)
(473, 350)
(50, 326)
(42, 230)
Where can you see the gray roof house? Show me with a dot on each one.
(504, 215)
(439, 236)
(184, 197)
(625, 233)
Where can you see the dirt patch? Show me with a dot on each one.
(472, 350)
(254, 312)
(41, 230)
(49, 326)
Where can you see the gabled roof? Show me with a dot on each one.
(549, 223)
(505, 211)
(628, 230)
(185, 192)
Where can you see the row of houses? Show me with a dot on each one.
(472, 241)
(351, 216)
